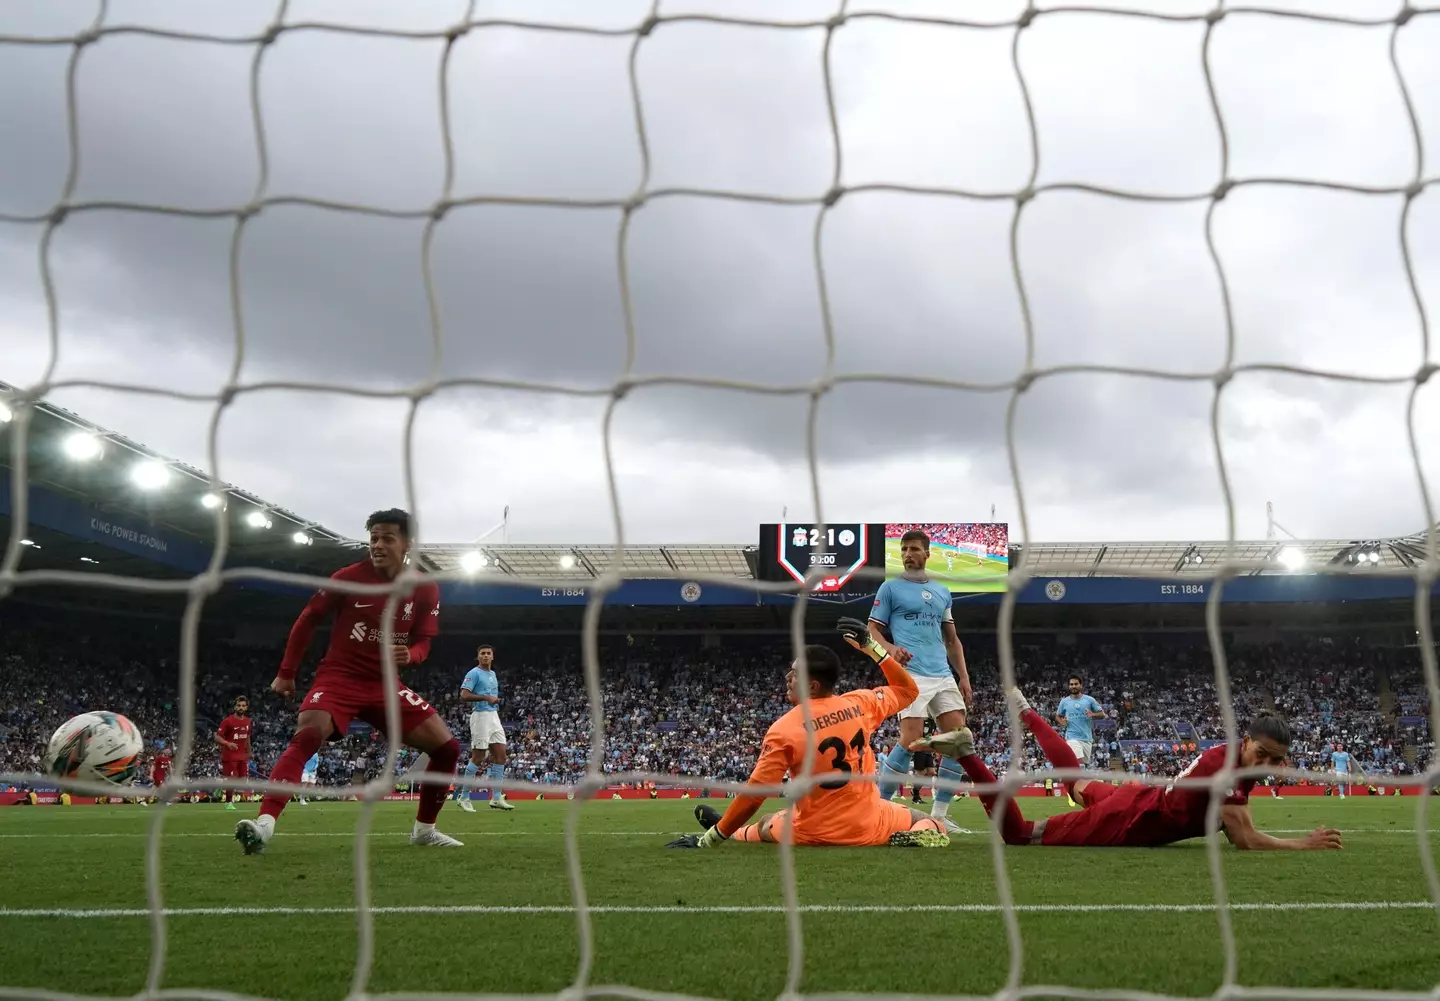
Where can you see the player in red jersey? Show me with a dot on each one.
(1134, 814)
(234, 740)
(348, 684)
(159, 770)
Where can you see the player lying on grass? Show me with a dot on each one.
(349, 685)
(837, 812)
(1134, 814)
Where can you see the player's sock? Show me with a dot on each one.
(893, 768)
(433, 794)
(949, 769)
(303, 744)
(1014, 828)
(496, 773)
(465, 792)
(1057, 752)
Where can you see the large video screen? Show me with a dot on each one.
(790, 552)
(962, 555)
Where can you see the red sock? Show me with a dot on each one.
(1014, 828)
(433, 794)
(303, 744)
(1057, 752)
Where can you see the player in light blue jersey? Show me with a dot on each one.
(1344, 767)
(916, 614)
(1076, 713)
(310, 775)
(481, 689)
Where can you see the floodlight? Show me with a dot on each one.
(1291, 558)
(27, 542)
(257, 519)
(5, 412)
(82, 447)
(210, 501)
(472, 561)
(567, 562)
(86, 559)
(150, 475)
(301, 539)
(1374, 556)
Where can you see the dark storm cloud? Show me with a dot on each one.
(918, 286)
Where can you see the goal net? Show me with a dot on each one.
(1008, 177)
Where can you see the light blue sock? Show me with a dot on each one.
(496, 773)
(949, 769)
(893, 769)
(471, 770)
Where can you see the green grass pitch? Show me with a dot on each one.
(964, 572)
(495, 916)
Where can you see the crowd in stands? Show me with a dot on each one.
(994, 538)
(679, 708)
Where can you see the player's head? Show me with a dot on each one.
(485, 655)
(1076, 685)
(1266, 743)
(389, 539)
(914, 549)
(824, 667)
(242, 706)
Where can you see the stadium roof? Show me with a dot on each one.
(108, 484)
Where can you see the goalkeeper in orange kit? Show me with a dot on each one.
(837, 811)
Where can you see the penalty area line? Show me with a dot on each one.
(453, 909)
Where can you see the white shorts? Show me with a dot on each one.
(1081, 748)
(485, 729)
(937, 696)
(309, 779)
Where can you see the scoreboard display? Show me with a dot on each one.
(790, 552)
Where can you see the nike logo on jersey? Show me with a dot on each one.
(365, 605)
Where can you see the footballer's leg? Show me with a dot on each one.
(426, 731)
(496, 771)
(949, 710)
(895, 766)
(920, 830)
(314, 727)
(478, 752)
(1056, 750)
(960, 745)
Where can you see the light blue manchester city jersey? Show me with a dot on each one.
(482, 682)
(913, 612)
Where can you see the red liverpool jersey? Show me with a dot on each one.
(354, 647)
(235, 729)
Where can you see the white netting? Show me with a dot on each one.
(208, 583)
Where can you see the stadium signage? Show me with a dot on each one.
(1074, 591)
(126, 534)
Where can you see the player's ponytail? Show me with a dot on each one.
(1269, 726)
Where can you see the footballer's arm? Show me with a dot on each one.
(955, 654)
(320, 605)
(775, 761)
(900, 683)
(1240, 828)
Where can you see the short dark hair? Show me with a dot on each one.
(1076, 677)
(915, 535)
(484, 646)
(1268, 725)
(823, 665)
(390, 516)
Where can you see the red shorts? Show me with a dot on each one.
(1108, 819)
(345, 698)
(235, 768)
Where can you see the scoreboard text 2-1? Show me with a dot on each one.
(791, 551)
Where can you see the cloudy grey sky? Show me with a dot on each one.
(918, 285)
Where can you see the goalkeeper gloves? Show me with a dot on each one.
(709, 839)
(857, 634)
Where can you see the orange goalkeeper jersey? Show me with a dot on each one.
(839, 728)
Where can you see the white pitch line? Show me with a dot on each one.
(443, 909)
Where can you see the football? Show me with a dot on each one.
(95, 747)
